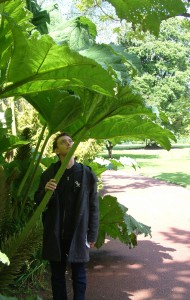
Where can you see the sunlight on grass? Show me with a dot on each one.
(172, 166)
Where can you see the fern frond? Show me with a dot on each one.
(18, 255)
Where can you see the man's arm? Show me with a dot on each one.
(44, 185)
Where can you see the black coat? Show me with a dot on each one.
(86, 220)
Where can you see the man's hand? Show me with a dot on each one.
(50, 185)
(92, 244)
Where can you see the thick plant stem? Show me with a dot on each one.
(27, 174)
(31, 223)
(33, 175)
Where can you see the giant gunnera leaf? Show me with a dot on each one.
(116, 223)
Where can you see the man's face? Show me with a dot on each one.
(64, 143)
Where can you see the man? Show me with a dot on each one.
(70, 220)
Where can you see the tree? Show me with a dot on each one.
(109, 147)
(144, 15)
(165, 71)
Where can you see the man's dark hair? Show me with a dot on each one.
(57, 137)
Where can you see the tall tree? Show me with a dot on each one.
(164, 81)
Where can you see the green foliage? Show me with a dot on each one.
(113, 58)
(78, 33)
(116, 223)
(120, 116)
(102, 83)
(7, 140)
(10, 142)
(84, 4)
(40, 17)
(24, 152)
(149, 13)
(29, 244)
(17, 11)
(145, 15)
(32, 274)
(74, 90)
(11, 227)
(165, 81)
(43, 65)
(11, 222)
(27, 116)
(87, 151)
(58, 108)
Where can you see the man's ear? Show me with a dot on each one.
(56, 151)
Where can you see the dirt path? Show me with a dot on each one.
(159, 268)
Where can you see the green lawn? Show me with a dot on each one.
(172, 166)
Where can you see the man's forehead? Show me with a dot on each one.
(64, 138)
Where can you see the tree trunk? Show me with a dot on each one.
(109, 147)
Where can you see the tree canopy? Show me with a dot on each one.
(164, 81)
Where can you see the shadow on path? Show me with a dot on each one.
(157, 269)
(131, 182)
(148, 272)
(178, 236)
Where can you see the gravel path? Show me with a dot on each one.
(159, 268)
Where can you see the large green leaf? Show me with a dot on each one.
(148, 13)
(90, 25)
(43, 65)
(9, 142)
(124, 116)
(132, 128)
(116, 223)
(135, 226)
(110, 60)
(18, 13)
(58, 108)
(129, 58)
(96, 108)
(111, 57)
(116, 58)
(97, 168)
(110, 219)
(78, 33)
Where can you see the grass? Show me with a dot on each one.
(172, 166)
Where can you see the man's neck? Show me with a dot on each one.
(70, 163)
